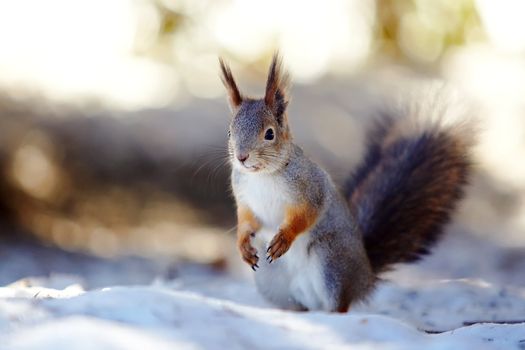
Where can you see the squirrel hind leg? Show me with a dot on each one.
(348, 276)
(353, 288)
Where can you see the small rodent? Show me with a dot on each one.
(312, 246)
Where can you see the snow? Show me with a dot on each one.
(138, 317)
(198, 308)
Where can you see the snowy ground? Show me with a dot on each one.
(159, 306)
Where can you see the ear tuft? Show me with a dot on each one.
(276, 97)
(234, 96)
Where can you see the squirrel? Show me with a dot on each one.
(314, 247)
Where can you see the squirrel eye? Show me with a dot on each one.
(268, 135)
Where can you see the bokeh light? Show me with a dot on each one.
(113, 118)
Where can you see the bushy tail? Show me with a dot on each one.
(407, 186)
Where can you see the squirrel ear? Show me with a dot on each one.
(276, 97)
(234, 96)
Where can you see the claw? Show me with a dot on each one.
(268, 250)
(253, 267)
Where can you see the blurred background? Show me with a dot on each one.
(113, 121)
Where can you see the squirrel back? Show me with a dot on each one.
(409, 182)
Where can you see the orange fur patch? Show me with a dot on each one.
(246, 225)
(297, 220)
(246, 221)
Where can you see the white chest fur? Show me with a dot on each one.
(296, 275)
(267, 196)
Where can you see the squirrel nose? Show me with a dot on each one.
(242, 157)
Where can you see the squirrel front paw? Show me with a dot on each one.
(248, 253)
(278, 246)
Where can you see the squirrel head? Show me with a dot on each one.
(259, 135)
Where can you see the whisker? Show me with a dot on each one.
(207, 163)
(215, 171)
